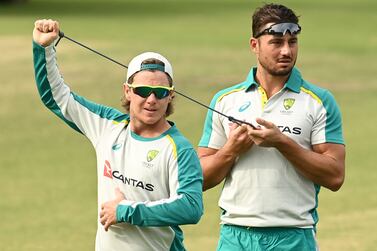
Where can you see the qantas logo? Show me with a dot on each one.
(133, 182)
(107, 170)
(290, 130)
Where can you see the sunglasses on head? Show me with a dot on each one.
(280, 29)
(145, 90)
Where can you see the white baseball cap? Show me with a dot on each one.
(136, 65)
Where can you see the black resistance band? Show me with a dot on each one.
(230, 118)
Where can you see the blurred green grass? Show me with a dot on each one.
(48, 180)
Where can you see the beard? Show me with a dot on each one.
(277, 72)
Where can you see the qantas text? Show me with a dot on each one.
(133, 182)
(287, 129)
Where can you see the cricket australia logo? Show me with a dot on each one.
(151, 155)
(288, 103)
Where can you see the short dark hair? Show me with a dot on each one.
(272, 13)
(126, 103)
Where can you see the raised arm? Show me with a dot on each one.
(82, 115)
(45, 32)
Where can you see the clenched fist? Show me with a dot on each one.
(45, 31)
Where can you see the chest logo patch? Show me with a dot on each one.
(288, 103)
(151, 155)
(244, 106)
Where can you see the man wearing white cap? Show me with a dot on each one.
(149, 176)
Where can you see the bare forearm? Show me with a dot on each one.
(323, 167)
(216, 167)
(217, 163)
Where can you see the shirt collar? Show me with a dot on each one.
(294, 82)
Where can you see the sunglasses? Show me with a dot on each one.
(280, 29)
(145, 91)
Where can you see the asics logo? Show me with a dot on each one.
(116, 147)
(244, 106)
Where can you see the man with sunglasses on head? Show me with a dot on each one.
(149, 176)
(273, 171)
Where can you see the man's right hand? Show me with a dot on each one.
(45, 31)
(238, 141)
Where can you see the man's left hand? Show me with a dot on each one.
(108, 210)
(268, 135)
